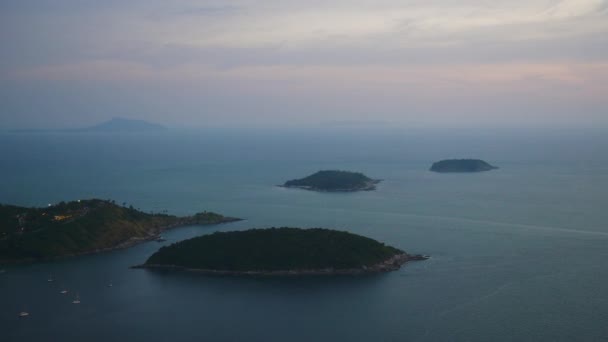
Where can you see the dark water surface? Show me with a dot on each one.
(518, 254)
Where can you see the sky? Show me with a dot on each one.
(185, 63)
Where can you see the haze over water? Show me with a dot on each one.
(518, 254)
(257, 92)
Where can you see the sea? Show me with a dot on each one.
(517, 254)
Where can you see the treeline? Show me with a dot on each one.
(77, 227)
(275, 249)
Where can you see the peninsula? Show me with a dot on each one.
(461, 165)
(83, 227)
(335, 181)
(280, 251)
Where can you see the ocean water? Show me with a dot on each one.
(518, 254)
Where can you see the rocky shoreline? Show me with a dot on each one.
(155, 233)
(392, 264)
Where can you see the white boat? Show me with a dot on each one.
(110, 285)
(63, 291)
(24, 314)
(76, 300)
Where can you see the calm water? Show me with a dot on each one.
(518, 254)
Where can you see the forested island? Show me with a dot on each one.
(331, 180)
(83, 227)
(280, 251)
(461, 165)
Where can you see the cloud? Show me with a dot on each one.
(409, 24)
(292, 32)
(208, 10)
(431, 77)
(390, 53)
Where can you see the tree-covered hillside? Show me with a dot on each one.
(331, 180)
(78, 227)
(275, 249)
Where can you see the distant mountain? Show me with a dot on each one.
(124, 125)
(114, 125)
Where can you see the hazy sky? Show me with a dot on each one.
(197, 63)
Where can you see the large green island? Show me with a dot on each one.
(461, 165)
(335, 181)
(82, 227)
(280, 251)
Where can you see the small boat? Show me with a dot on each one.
(76, 300)
(24, 314)
(110, 285)
(50, 280)
(63, 291)
(160, 239)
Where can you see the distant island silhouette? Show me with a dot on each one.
(124, 125)
(334, 181)
(116, 124)
(281, 251)
(461, 165)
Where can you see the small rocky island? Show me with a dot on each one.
(280, 251)
(335, 181)
(461, 165)
(83, 227)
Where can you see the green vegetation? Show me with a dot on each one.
(81, 227)
(462, 165)
(334, 181)
(274, 249)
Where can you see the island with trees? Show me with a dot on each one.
(461, 165)
(83, 227)
(280, 251)
(335, 181)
